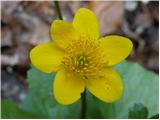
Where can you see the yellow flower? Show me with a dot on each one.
(82, 59)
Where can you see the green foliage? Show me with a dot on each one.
(138, 111)
(155, 116)
(99, 109)
(140, 86)
(11, 110)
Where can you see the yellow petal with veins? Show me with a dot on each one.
(46, 57)
(116, 48)
(86, 23)
(67, 87)
(107, 86)
(63, 32)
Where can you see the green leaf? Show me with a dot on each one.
(40, 99)
(11, 110)
(140, 86)
(155, 116)
(138, 111)
(95, 108)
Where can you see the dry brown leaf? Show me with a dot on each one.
(6, 37)
(30, 29)
(109, 13)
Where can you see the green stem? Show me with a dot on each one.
(84, 105)
(58, 10)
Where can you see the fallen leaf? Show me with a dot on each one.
(109, 13)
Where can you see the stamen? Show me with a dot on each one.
(84, 57)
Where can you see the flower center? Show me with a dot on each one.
(81, 60)
(84, 56)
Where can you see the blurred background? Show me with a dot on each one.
(26, 24)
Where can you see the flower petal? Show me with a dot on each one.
(85, 21)
(107, 86)
(46, 57)
(63, 32)
(67, 87)
(116, 48)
